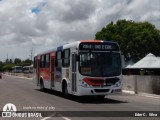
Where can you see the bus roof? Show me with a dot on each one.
(82, 41)
(74, 44)
(98, 41)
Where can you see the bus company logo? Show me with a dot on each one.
(8, 109)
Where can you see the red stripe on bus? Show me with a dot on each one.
(95, 41)
(94, 81)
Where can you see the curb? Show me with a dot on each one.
(142, 94)
(127, 91)
(19, 77)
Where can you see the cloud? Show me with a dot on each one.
(44, 24)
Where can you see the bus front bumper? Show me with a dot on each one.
(84, 91)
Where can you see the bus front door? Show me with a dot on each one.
(38, 72)
(52, 71)
(74, 84)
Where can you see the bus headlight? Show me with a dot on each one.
(118, 84)
(84, 84)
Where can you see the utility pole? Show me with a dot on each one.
(7, 60)
(31, 53)
(7, 56)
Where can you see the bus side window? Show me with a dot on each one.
(59, 59)
(66, 58)
(42, 62)
(47, 62)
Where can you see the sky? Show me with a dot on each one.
(45, 24)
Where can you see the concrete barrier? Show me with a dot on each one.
(142, 84)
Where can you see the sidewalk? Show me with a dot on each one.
(22, 75)
(142, 94)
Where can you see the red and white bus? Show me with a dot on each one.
(82, 68)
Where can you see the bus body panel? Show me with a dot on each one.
(28, 69)
(17, 69)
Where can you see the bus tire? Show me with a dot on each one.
(41, 85)
(65, 90)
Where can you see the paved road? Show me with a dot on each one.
(24, 94)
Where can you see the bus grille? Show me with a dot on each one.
(111, 81)
(101, 90)
(94, 81)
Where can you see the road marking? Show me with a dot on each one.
(56, 115)
(66, 118)
(45, 118)
(48, 117)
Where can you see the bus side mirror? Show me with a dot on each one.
(77, 58)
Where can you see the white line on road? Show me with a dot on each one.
(48, 117)
(55, 115)
(45, 118)
(66, 118)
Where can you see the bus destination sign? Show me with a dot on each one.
(99, 46)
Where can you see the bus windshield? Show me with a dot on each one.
(100, 64)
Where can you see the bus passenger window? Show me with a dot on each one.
(42, 62)
(59, 59)
(66, 58)
(47, 62)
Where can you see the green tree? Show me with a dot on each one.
(10, 61)
(28, 61)
(7, 60)
(1, 66)
(17, 61)
(7, 67)
(136, 39)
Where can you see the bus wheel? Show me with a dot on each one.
(41, 85)
(65, 90)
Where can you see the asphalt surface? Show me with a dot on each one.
(27, 97)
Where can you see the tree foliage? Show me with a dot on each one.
(27, 61)
(17, 61)
(136, 39)
(8, 64)
(7, 67)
